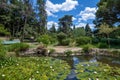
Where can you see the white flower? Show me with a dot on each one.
(3, 75)
(95, 72)
(37, 72)
(17, 64)
(97, 79)
(53, 70)
(89, 78)
(51, 67)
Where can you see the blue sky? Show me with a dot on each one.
(83, 11)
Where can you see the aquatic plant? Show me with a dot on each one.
(43, 68)
(97, 71)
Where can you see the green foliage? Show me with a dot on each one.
(107, 11)
(65, 22)
(66, 41)
(83, 40)
(68, 52)
(2, 51)
(112, 41)
(18, 47)
(97, 71)
(46, 39)
(102, 45)
(43, 68)
(88, 30)
(60, 37)
(3, 31)
(87, 48)
(77, 32)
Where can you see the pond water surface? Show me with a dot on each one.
(74, 60)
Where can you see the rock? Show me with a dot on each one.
(41, 50)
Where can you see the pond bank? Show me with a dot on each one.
(75, 51)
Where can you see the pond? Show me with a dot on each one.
(89, 65)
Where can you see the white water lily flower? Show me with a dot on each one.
(51, 67)
(95, 72)
(3, 75)
(97, 79)
(89, 78)
(37, 72)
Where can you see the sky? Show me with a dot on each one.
(83, 11)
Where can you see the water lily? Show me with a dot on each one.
(97, 79)
(37, 72)
(51, 67)
(3, 75)
(95, 72)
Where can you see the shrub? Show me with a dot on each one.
(18, 47)
(61, 36)
(46, 39)
(87, 48)
(83, 40)
(3, 31)
(102, 45)
(66, 42)
(68, 52)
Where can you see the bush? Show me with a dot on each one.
(83, 40)
(18, 47)
(102, 45)
(68, 52)
(66, 42)
(46, 39)
(87, 48)
(112, 41)
(3, 31)
(61, 36)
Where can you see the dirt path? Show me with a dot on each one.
(61, 49)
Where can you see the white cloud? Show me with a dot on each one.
(50, 23)
(88, 13)
(84, 24)
(73, 18)
(81, 25)
(65, 6)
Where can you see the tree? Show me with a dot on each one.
(88, 30)
(105, 29)
(79, 32)
(42, 16)
(65, 23)
(52, 29)
(108, 12)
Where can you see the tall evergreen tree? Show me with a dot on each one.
(42, 16)
(52, 29)
(108, 12)
(65, 23)
(88, 30)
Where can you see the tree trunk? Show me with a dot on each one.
(23, 35)
(108, 40)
